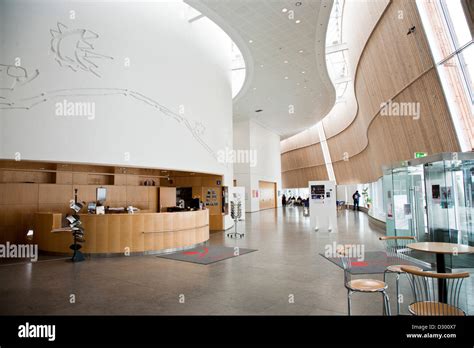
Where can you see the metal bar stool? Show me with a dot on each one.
(397, 247)
(425, 291)
(360, 285)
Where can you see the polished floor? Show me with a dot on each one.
(286, 276)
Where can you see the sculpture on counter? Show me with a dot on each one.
(236, 215)
(77, 231)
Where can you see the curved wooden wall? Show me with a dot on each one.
(393, 66)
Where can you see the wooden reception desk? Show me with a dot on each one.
(119, 233)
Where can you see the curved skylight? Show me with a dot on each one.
(238, 70)
(336, 51)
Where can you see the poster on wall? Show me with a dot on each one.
(446, 197)
(389, 211)
(407, 210)
(435, 193)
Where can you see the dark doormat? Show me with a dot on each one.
(206, 255)
(374, 262)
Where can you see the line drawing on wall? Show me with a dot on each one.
(73, 49)
(18, 74)
(196, 128)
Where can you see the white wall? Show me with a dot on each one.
(249, 135)
(182, 66)
(241, 138)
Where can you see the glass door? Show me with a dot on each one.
(409, 213)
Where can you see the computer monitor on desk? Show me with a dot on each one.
(101, 195)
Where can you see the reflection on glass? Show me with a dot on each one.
(459, 101)
(452, 47)
(457, 23)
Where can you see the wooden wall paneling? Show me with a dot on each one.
(138, 226)
(267, 198)
(398, 67)
(20, 193)
(79, 179)
(102, 234)
(137, 194)
(54, 193)
(125, 233)
(167, 197)
(120, 179)
(64, 178)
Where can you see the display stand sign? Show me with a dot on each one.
(322, 205)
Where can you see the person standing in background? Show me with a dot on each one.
(356, 197)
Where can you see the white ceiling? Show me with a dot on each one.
(276, 38)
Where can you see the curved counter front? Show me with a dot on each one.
(122, 233)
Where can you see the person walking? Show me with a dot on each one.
(283, 200)
(356, 197)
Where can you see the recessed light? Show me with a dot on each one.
(297, 83)
(286, 62)
(303, 72)
(285, 10)
(297, 21)
(261, 65)
(304, 87)
(255, 88)
(250, 41)
(300, 51)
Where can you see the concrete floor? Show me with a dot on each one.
(286, 266)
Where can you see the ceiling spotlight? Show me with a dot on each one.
(300, 51)
(297, 83)
(261, 65)
(285, 10)
(286, 62)
(250, 41)
(304, 87)
(297, 21)
(303, 72)
(255, 88)
(286, 77)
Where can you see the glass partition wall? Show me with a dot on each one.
(431, 198)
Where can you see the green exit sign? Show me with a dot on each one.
(420, 154)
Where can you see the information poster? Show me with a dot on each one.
(318, 192)
(407, 210)
(435, 193)
(446, 197)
